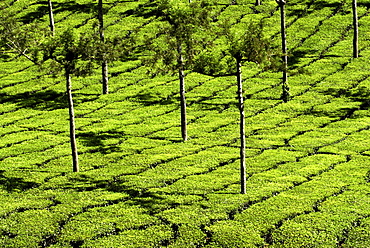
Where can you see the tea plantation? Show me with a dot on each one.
(139, 185)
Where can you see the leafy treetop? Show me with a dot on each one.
(185, 26)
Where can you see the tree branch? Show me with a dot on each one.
(21, 52)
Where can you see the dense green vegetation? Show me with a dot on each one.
(139, 185)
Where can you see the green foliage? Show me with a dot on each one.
(247, 42)
(67, 50)
(213, 61)
(307, 160)
(21, 39)
(185, 26)
(234, 234)
(19, 225)
(359, 235)
(150, 237)
(189, 236)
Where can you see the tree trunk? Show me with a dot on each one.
(258, 2)
(242, 127)
(355, 29)
(105, 77)
(72, 128)
(104, 62)
(51, 17)
(182, 95)
(286, 94)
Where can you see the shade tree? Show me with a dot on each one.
(51, 17)
(20, 39)
(355, 28)
(76, 54)
(64, 51)
(246, 44)
(182, 34)
(285, 96)
(73, 55)
(104, 63)
(69, 53)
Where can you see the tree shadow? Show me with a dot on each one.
(96, 140)
(45, 100)
(294, 57)
(149, 99)
(138, 196)
(359, 94)
(151, 201)
(363, 4)
(12, 184)
(84, 97)
(315, 6)
(37, 14)
(58, 7)
(299, 12)
(319, 5)
(146, 10)
(4, 57)
(219, 107)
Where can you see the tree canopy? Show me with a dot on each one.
(183, 24)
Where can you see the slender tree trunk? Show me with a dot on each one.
(105, 77)
(286, 94)
(72, 128)
(258, 2)
(182, 95)
(51, 17)
(355, 29)
(242, 127)
(101, 33)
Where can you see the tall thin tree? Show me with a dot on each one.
(247, 45)
(68, 52)
(355, 29)
(177, 43)
(73, 55)
(243, 168)
(285, 96)
(65, 51)
(51, 17)
(180, 63)
(29, 41)
(104, 63)
(72, 126)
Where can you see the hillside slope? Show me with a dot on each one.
(140, 186)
